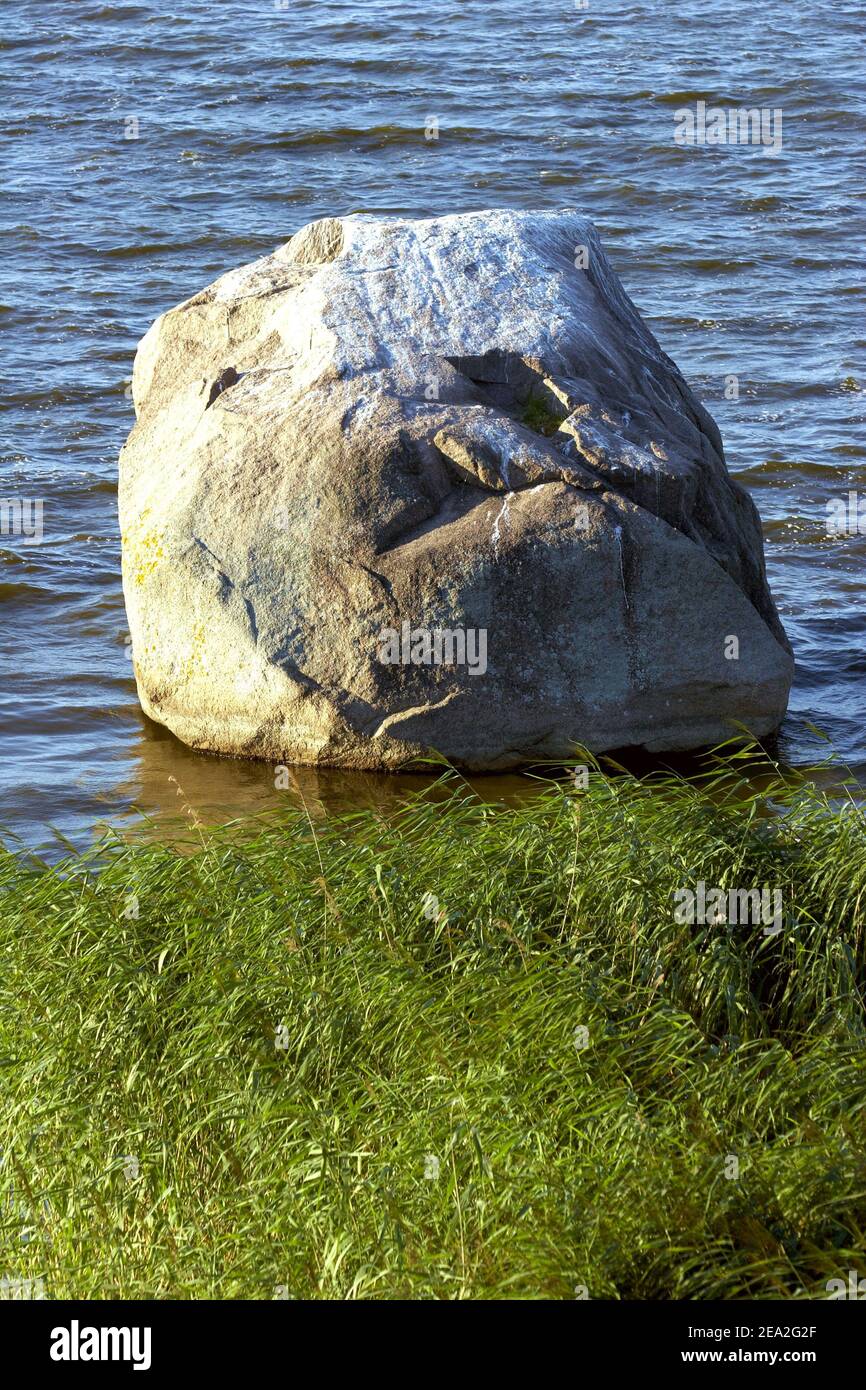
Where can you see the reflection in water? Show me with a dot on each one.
(171, 782)
(174, 788)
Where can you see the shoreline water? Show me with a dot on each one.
(742, 265)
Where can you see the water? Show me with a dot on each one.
(252, 120)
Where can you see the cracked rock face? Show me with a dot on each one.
(392, 428)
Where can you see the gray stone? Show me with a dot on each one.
(447, 424)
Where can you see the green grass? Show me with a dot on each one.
(164, 1136)
(539, 417)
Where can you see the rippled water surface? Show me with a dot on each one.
(252, 119)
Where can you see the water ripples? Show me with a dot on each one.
(251, 120)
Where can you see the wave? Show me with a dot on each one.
(24, 593)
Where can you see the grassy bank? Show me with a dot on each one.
(465, 1053)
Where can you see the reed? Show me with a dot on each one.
(458, 1052)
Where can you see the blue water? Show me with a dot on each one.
(252, 120)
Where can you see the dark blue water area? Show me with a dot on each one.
(149, 148)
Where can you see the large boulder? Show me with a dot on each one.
(390, 430)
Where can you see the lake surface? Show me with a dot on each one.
(149, 148)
